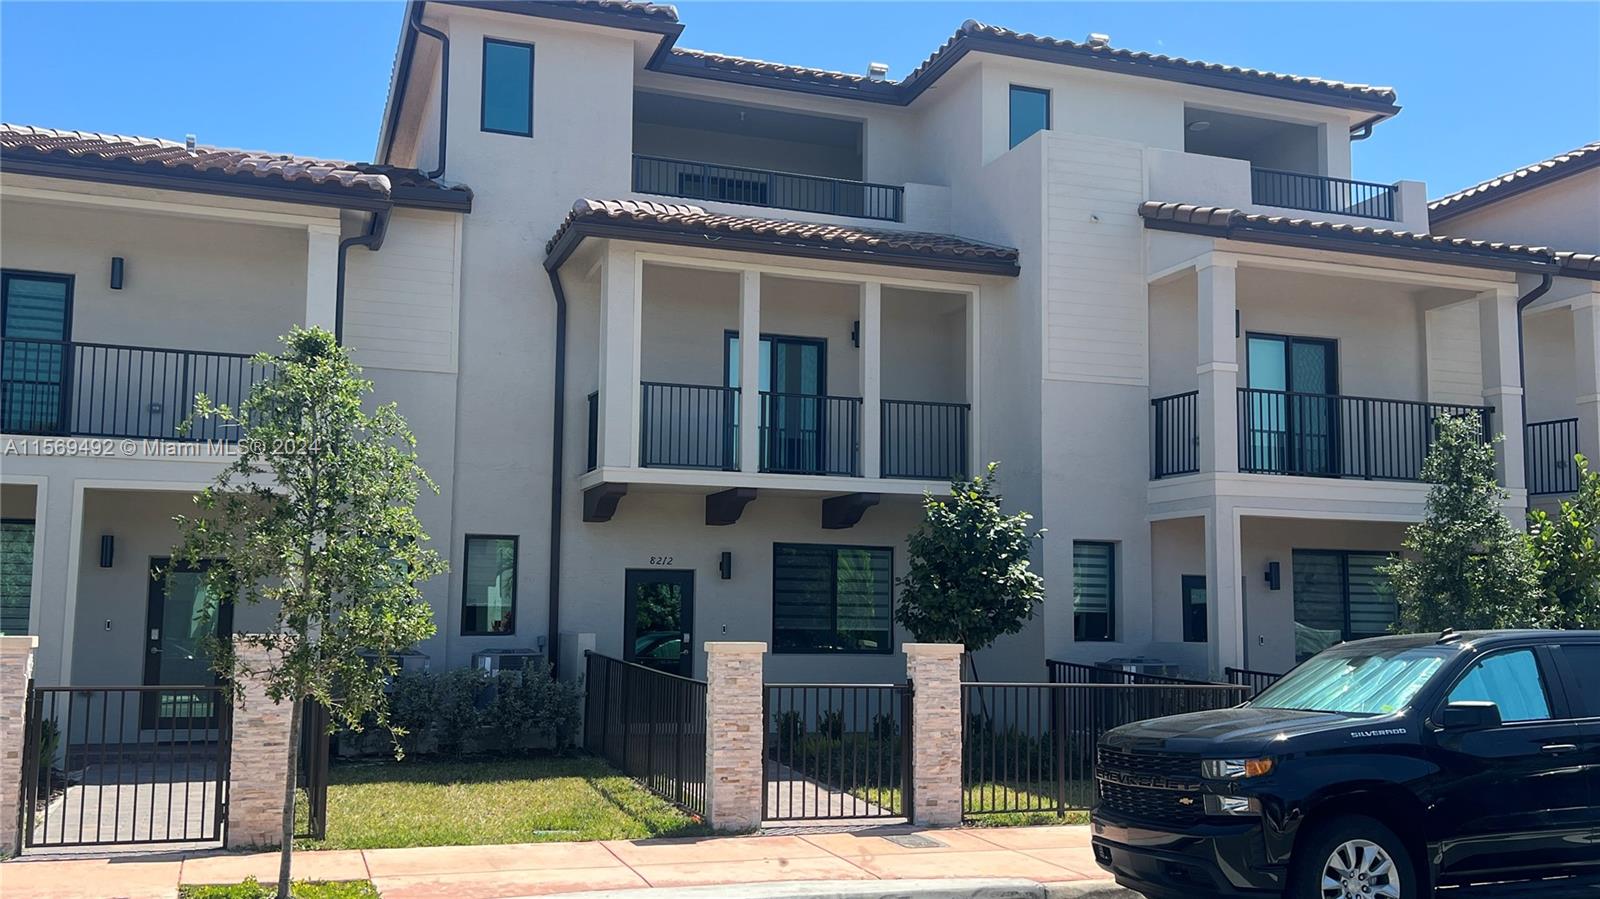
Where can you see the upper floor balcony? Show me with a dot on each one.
(747, 186)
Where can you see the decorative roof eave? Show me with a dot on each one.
(1310, 234)
(692, 226)
(1580, 265)
(1510, 184)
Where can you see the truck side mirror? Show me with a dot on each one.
(1470, 715)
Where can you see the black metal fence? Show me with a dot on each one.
(762, 187)
(803, 433)
(649, 725)
(1030, 748)
(1175, 435)
(1329, 435)
(688, 426)
(1549, 447)
(924, 440)
(1322, 193)
(125, 765)
(312, 768)
(1078, 673)
(1255, 680)
(837, 752)
(61, 388)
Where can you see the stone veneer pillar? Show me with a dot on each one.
(734, 734)
(16, 667)
(934, 670)
(260, 758)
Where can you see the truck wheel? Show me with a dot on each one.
(1353, 857)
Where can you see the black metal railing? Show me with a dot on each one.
(689, 426)
(68, 388)
(1322, 193)
(593, 402)
(650, 725)
(125, 765)
(923, 440)
(1255, 680)
(837, 751)
(1328, 435)
(312, 770)
(762, 187)
(1077, 673)
(1030, 748)
(804, 433)
(1174, 435)
(1550, 448)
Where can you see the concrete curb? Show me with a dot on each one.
(974, 888)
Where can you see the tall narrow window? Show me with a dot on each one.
(36, 321)
(1094, 590)
(832, 598)
(16, 575)
(489, 599)
(507, 87)
(1030, 112)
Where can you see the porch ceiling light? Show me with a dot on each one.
(1201, 125)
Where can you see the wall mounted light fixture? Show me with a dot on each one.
(725, 566)
(1274, 576)
(108, 550)
(117, 268)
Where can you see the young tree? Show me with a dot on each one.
(969, 580)
(1568, 546)
(1466, 566)
(316, 518)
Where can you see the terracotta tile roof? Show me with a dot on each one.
(712, 60)
(682, 223)
(84, 151)
(1233, 223)
(1580, 265)
(1515, 182)
(635, 8)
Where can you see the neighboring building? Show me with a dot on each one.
(1204, 356)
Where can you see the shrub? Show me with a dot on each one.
(456, 715)
(411, 709)
(555, 709)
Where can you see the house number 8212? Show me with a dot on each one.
(660, 560)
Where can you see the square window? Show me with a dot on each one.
(507, 87)
(1030, 112)
(489, 599)
(1094, 591)
(832, 599)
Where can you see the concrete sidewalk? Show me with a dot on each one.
(1043, 855)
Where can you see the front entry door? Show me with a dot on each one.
(658, 620)
(180, 619)
(1293, 409)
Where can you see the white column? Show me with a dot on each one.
(1502, 380)
(975, 462)
(1218, 366)
(1586, 338)
(322, 276)
(749, 370)
(1224, 591)
(619, 360)
(871, 358)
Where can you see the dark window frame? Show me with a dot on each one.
(466, 574)
(1346, 634)
(1049, 114)
(32, 557)
(1189, 582)
(1287, 341)
(6, 276)
(729, 335)
(483, 86)
(1111, 585)
(889, 644)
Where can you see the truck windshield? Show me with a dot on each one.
(1355, 681)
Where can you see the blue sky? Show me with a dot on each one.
(1486, 86)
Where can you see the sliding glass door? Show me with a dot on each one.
(793, 409)
(1291, 412)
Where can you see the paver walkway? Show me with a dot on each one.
(1043, 854)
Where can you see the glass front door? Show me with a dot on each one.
(36, 321)
(658, 619)
(1292, 411)
(181, 619)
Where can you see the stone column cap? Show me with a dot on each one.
(934, 650)
(731, 646)
(17, 644)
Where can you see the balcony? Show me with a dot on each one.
(74, 389)
(1323, 194)
(1308, 434)
(747, 186)
(1550, 447)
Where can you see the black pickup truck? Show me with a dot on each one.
(1377, 769)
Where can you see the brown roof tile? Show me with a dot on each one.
(1232, 223)
(643, 219)
(1579, 265)
(1515, 182)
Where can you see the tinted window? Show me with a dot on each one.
(1583, 663)
(1094, 590)
(489, 601)
(507, 87)
(1030, 112)
(16, 575)
(1510, 680)
(831, 598)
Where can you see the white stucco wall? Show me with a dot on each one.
(1563, 215)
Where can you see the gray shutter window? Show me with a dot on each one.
(16, 575)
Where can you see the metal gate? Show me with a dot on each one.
(311, 770)
(125, 765)
(837, 751)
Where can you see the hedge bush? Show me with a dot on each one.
(467, 710)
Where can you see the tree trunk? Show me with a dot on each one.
(290, 779)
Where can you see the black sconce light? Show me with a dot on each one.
(108, 550)
(116, 272)
(725, 566)
(1274, 576)
(855, 334)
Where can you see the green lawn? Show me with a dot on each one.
(981, 797)
(304, 889)
(472, 802)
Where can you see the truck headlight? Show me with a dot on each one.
(1235, 769)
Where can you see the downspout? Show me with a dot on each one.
(1362, 131)
(1545, 280)
(372, 240)
(558, 439)
(444, 81)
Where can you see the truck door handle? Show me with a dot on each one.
(1554, 748)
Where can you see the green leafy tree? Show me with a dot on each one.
(1466, 565)
(316, 517)
(969, 580)
(1568, 546)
